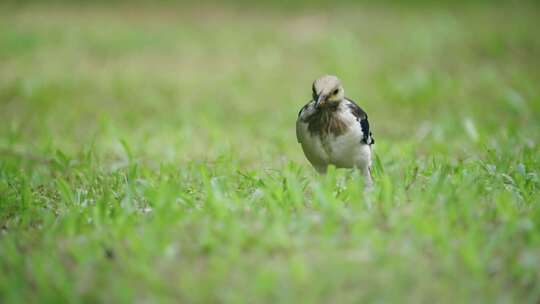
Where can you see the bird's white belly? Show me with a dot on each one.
(346, 150)
(314, 149)
(343, 151)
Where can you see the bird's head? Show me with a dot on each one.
(327, 90)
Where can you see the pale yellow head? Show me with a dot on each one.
(327, 90)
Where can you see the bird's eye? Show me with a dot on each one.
(336, 91)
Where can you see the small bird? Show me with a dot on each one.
(334, 130)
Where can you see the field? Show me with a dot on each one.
(148, 154)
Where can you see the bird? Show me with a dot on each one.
(333, 130)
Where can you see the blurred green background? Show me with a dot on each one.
(148, 152)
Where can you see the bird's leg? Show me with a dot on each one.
(368, 180)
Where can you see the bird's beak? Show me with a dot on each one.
(320, 99)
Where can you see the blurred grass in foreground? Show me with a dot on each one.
(148, 153)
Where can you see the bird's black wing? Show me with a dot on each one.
(362, 118)
(307, 107)
(301, 119)
(302, 109)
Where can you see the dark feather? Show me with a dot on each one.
(314, 92)
(362, 118)
(324, 121)
(303, 108)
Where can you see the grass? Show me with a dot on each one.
(148, 154)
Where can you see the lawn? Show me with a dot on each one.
(148, 154)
